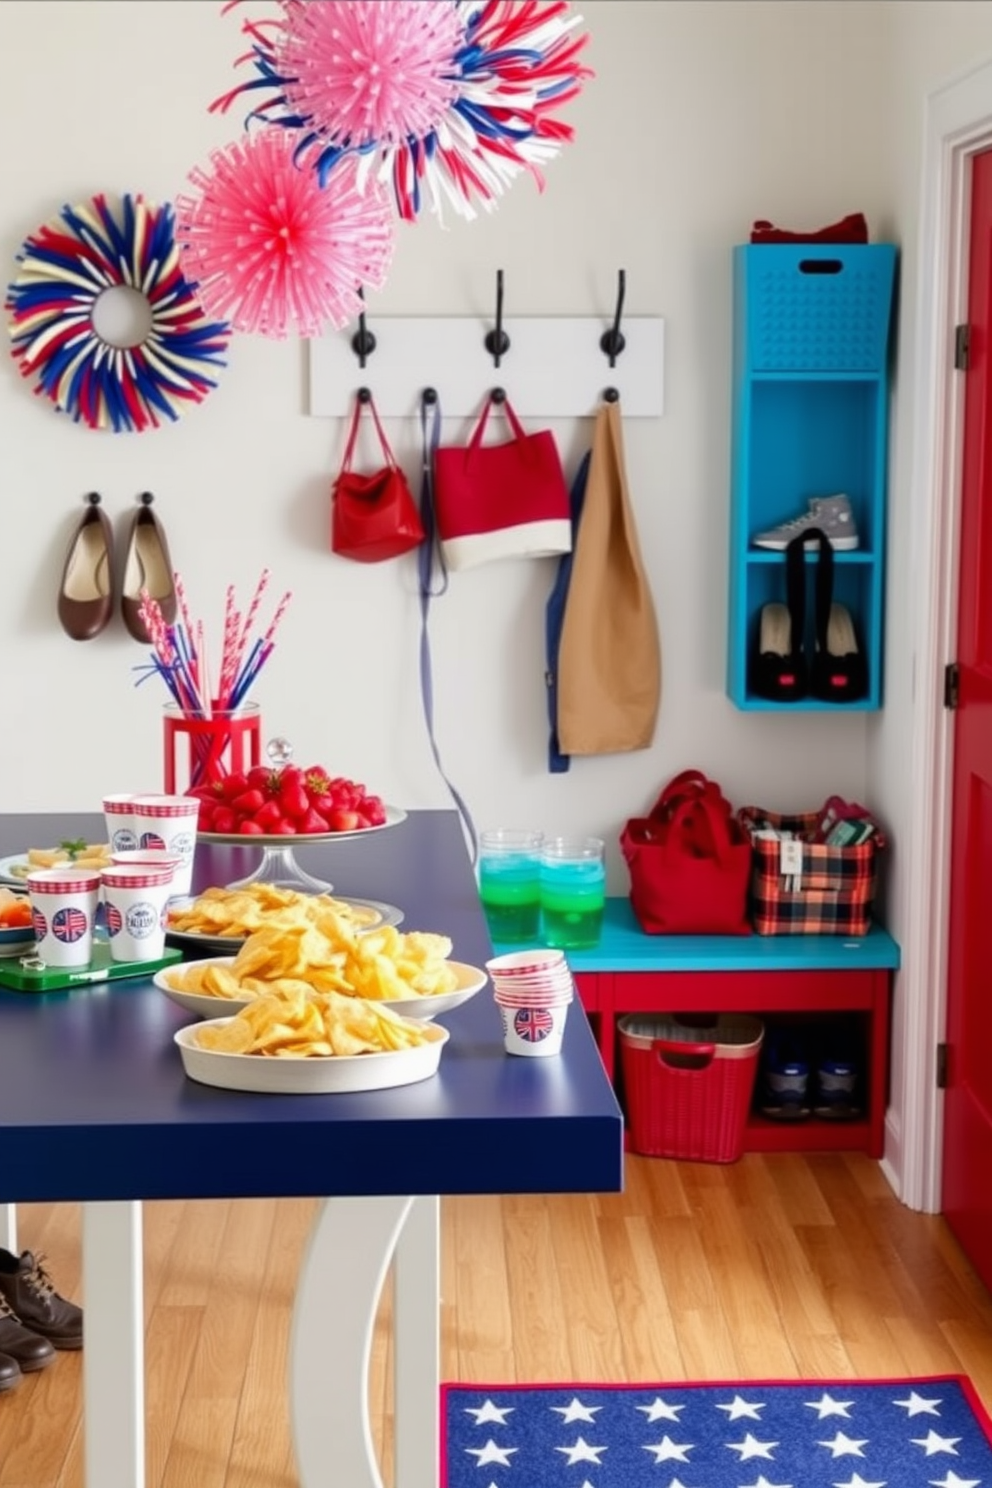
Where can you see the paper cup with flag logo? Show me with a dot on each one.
(119, 817)
(135, 899)
(169, 823)
(63, 909)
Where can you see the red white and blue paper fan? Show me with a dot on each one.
(448, 99)
(271, 250)
(65, 267)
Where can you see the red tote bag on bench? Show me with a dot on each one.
(689, 861)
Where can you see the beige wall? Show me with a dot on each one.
(701, 118)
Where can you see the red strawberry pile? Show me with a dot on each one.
(286, 802)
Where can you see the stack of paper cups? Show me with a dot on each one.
(532, 990)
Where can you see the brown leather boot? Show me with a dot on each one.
(29, 1292)
(28, 1350)
(10, 1373)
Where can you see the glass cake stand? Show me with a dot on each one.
(279, 866)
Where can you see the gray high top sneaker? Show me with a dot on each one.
(831, 514)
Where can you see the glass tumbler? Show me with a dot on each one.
(509, 883)
(573, 891)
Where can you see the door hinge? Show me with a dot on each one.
(952, 685)
(941, 1066)
(962, 342)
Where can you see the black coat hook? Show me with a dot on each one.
(498, 395)
(497, 342)
(611, 341)
(611, 395)
(363, 341)
(429, 396)
(364, 395)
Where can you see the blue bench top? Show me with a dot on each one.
(624, 946)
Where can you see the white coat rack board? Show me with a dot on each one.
(552, 368)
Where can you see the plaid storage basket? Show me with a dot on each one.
(837, 884)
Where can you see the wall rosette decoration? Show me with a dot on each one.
(66, 266)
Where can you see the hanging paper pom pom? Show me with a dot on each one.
(366, 73)
(66, 266)
(272, 251)
(512, 65)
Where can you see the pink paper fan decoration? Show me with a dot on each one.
(265, 241)
(365, 73)
(372, 76)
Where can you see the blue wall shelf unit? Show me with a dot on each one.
(810, 410)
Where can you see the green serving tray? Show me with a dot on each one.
(102, 968)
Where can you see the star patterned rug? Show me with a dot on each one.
(930, 1432)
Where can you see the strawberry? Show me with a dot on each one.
(340, 820)
(293, 799)
(374, 811)
(249, 828)
(248, 802)
(312, 822)
(233, 785)
(223, 819)
(263, 778)
(268, 816)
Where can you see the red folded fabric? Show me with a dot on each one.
(850, 229)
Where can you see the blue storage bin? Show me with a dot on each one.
(817, 307)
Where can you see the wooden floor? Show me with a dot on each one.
(776, 1266)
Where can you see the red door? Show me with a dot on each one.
(967, 1191)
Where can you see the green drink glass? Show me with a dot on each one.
(573, 891)
(510, 883)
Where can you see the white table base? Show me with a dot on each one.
(353, 1243)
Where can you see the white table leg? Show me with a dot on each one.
(341, 1280)
(113, 1352)
(417, 1344)
(8, 1228)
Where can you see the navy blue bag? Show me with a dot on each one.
(559, 763)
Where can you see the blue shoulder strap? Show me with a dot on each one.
(432, 586)
(558, 763)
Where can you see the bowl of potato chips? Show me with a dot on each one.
(403, 970)
(219, 919)
(311, 1043)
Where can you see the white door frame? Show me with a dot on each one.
(958, 123)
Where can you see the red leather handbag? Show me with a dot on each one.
(504, 500)
(373, 517)
(689, 861)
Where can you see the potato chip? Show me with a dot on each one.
(239, 912)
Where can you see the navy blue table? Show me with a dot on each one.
(95, 1107)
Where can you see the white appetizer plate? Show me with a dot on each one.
(307, 1074)
(200, 1003)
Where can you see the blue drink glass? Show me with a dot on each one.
(573, 891)
(509, 883)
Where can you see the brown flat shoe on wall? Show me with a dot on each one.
(147, 565)
(85, 600)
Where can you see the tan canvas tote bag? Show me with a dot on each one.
(609, 662)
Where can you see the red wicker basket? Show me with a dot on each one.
(688, 1083)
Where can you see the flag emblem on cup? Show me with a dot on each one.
(532, 1024)
(69, 925)
(39, 924)
(142, 920)
(152, 839)
(114, 920)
